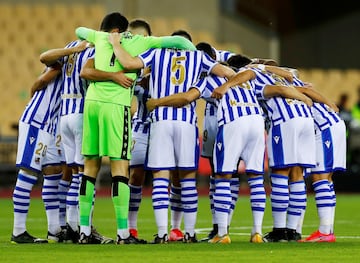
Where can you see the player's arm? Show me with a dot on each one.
(288, 75)
(51, 56)
(237, 79)
(89, 72)
(315, 95)
(286, 92)
(178, 42)
(84, 33)
(175, 100)
(45, 78)
(124, 57)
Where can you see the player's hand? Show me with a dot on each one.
(121, 79)
(308, 101)
(334, 107)
(308, 85)
(289, 76)
(82, 46)
(219, 92)
(151, 104)
(114, 38)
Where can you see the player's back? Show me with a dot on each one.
(74, 87)
(279, 109)
(44, 106)
(174, 71)
(238, 101)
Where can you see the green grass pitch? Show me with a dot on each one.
(346, 248)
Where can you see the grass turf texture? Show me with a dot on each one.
(346, 248)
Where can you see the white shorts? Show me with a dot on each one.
(331, 149)
(71, 129)
(209, 136)
(139, 148)
(36, 148)
(55, 152)
(292, 143)
(242, 138)
(173, 145)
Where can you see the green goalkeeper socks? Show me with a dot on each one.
(121, 197)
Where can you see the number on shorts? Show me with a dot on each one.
(41, 150)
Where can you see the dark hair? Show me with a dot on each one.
(142, 24)
(238, 61)
(182, 33)
(114, 21)
(207, 48)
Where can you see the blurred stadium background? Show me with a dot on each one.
(322, 41)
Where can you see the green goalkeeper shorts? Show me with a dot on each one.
(107, 130)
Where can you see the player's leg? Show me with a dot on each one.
(137, 176)
(86, 196)
(186, 147)
(226, 155)
(160, 202)
(29, 159)
(189, 201)
(63, 189)
(208, 140)
(176, 210)
(52, 175)
(253, 156)
(297, 202)
(161, 160)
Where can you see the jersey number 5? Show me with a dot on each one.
(177, 70)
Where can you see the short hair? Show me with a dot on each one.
(238, 61)
(207, 48)
(142, 24)
(114, 21)
(182, 33)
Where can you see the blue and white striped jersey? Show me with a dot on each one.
(279, 109)
(222, 55)
(74, 89)
(237, 102)
(174, 71)
(323, 115)
(140, 119)
(44, 107)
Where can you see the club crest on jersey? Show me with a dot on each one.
(327, 143)
(276, 139)
(32, 139)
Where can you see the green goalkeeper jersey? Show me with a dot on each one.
(105, 60)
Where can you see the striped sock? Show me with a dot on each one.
(21, 201)
(234, 189)
(211, 198)
(176, 210)
(279, 199)
(72, 202)
(333, 194)
(257, 201)
(222, 203)
(160, 201)
(134, 204)
(324, 204)
(62, 193)
(297, 203)
(189, 200)
(51, 201)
